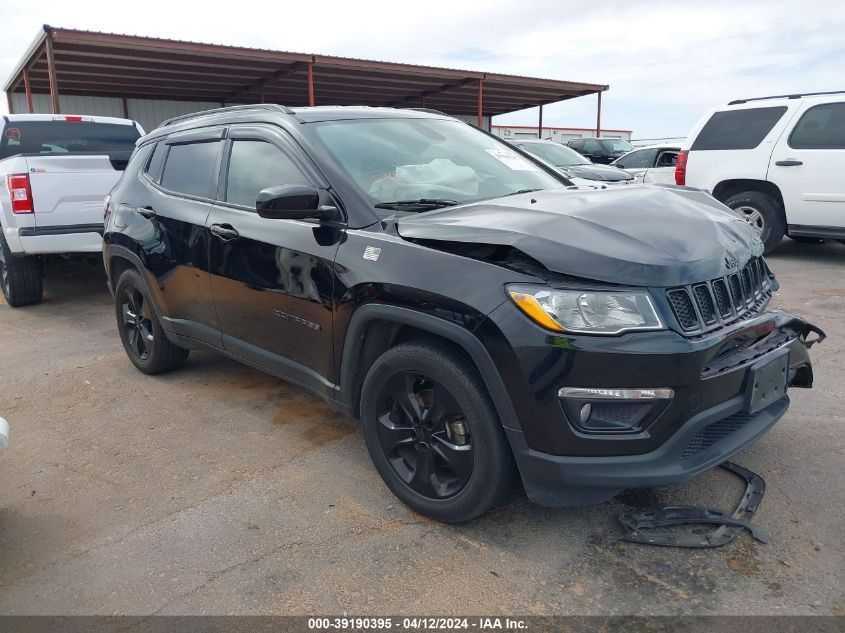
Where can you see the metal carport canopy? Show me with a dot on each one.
(87, 63)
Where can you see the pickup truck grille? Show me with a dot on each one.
(712, 304)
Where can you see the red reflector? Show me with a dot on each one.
(20, 193)
(681, 168)
(73, 118)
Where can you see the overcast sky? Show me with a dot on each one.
(665, 62)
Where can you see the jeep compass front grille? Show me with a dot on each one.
(712, 304)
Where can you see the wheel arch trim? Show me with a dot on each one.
(116, 251)
(463, 338)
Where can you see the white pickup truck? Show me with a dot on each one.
(55, 171)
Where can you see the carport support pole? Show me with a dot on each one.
(598, 116)
(311, 84)
(540, 123)
(28, 89)
(481, 103)
(51, 73)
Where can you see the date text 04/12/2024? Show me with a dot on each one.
(418, 624)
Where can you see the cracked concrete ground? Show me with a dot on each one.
(220, 490)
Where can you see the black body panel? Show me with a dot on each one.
(316, 301)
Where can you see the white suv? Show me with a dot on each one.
(778, 161)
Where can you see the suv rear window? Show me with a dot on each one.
(738, 129)
(191, 168)
(68, 137)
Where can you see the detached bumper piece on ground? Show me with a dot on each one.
(641, 523)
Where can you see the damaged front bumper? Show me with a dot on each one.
(727, 390)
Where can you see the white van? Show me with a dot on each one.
(778, 161)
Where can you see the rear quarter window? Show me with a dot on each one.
(738, 129)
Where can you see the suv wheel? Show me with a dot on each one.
(20, 277)
(433, 433)
(763, 213)
(140, 331)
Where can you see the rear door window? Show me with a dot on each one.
(820, 127)
(738, 129)
(191, 168)
(68, 137)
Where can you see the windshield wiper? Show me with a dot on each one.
(514, 193)
(430, 203)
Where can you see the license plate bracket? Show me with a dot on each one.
(767, 381)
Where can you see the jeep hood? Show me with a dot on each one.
(641, 235)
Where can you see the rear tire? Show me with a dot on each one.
(763, 213)
(21, 278)
(441, 449)
(140, 330)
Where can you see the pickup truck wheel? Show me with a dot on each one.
(433, 433)
(763, 213)
(140, 330)
(20, 277)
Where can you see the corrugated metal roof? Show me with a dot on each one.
(125, 66)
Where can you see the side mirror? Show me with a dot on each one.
(288, 202)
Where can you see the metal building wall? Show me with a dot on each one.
(148, 112)
(473, 120)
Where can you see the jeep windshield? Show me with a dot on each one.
(422, 164)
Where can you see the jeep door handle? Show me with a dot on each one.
(789, 163)
(146, 212)
(224, 232)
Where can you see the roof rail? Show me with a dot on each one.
(252, 106)
(795, 96)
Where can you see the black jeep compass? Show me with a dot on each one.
(480, 315)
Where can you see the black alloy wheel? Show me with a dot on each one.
(146, 344)
(433, 432)
(137, 322)
(425, 435)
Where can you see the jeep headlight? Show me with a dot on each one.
(588, 312)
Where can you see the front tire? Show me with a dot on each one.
(433, 433)
(763, 213)
(140, 330)
(20, 277)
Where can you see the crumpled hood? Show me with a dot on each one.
(641, 235)
(604, 173)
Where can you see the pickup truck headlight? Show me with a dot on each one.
(588, 312)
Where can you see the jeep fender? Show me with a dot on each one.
(452, 332)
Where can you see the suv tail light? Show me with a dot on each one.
(681, 168)
(20, 193)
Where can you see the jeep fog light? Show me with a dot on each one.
(601, 410)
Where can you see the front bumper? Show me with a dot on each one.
(710, 417)
(4, 435)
